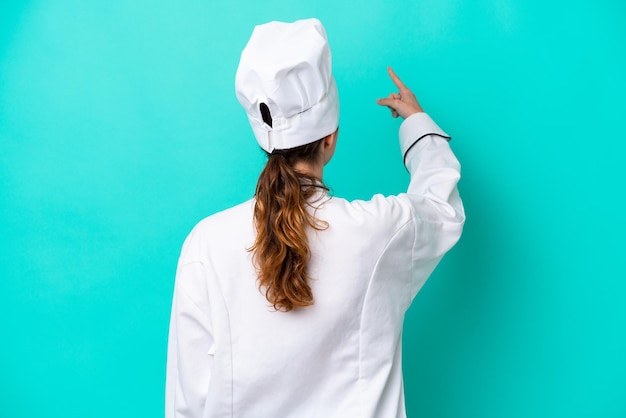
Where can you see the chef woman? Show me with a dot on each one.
(291, 304)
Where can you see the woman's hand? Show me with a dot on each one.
(404, 103)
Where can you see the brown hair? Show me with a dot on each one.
(281, 249)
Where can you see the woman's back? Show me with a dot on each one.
(342, 355)
(292, 304)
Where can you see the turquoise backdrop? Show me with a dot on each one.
(119, 130)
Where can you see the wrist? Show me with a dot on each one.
(413, 111)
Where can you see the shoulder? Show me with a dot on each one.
(387, 213)
(394, 206)
(230, 225)
(218, 219)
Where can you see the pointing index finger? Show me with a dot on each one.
(396, 80)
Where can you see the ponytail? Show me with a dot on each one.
(281, 249)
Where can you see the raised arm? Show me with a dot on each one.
(433, 167)
(435, 171)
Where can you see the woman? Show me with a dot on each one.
(292, 304)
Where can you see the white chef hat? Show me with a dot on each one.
(285, 84)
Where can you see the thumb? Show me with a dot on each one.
(394, 104)
(389, 102)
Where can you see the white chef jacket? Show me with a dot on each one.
(230, 354)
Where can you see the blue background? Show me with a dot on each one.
(119, 130)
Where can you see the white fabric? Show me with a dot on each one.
(287, 66)
(231, 355)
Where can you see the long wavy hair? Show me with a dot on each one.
(281, 217)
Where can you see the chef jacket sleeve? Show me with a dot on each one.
(437, 207)
(190, 341)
